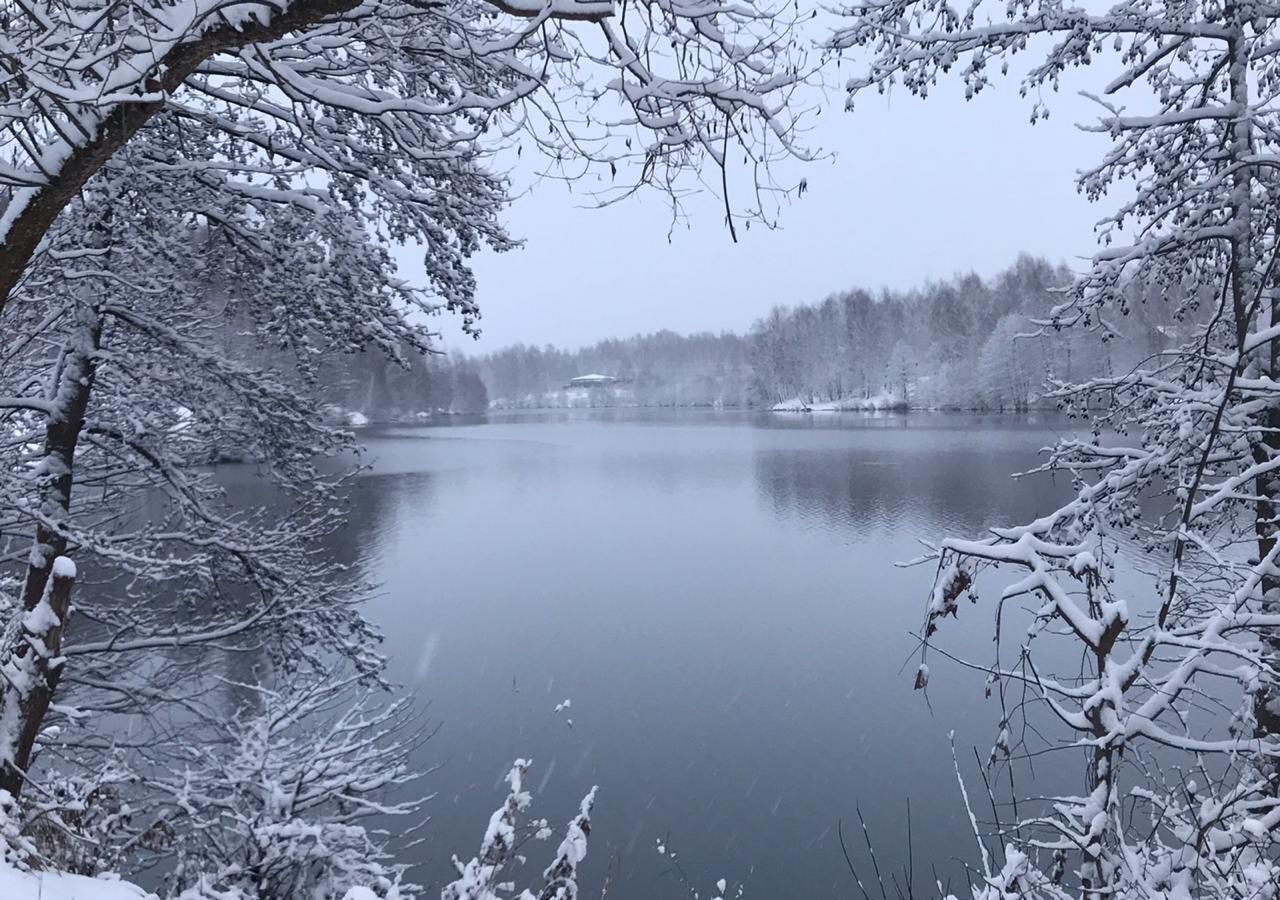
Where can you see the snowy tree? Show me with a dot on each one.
(117, 394)
(385, 104)
(176, 172)
(901, 371)
(1180, 460)
(919, 347)
(1011, 369)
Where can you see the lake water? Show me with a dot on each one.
(716, 594)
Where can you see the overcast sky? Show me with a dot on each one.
(917, 190)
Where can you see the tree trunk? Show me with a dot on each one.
(70, 401)
(32, 670)
(31, 662)
(1267, 701)
(1245, 290)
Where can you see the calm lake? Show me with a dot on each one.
(716, 595)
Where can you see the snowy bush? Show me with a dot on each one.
(293, 799)
(84, 823)
(487, 875)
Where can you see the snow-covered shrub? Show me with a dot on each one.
(16, 848)
(292, 800)
(85, 824)
(487, 875)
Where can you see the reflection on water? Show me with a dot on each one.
(919, 479)
(716, 595)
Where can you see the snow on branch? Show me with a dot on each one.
(484, 876)
(416, 86)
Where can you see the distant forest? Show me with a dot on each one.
(660, 369)
(366, 386)
(961, 343)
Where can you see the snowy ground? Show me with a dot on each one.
(60, 886)
(16, 885)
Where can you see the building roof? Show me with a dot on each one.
(593, 379)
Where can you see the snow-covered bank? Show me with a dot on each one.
(878, 403)
(61, 886)
(19, 885)
(355, 418)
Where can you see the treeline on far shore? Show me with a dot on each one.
(964, 343)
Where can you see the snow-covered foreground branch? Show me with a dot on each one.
(379, 95)
(200, 200)
(488, 876)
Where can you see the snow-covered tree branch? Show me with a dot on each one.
(372, 99)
